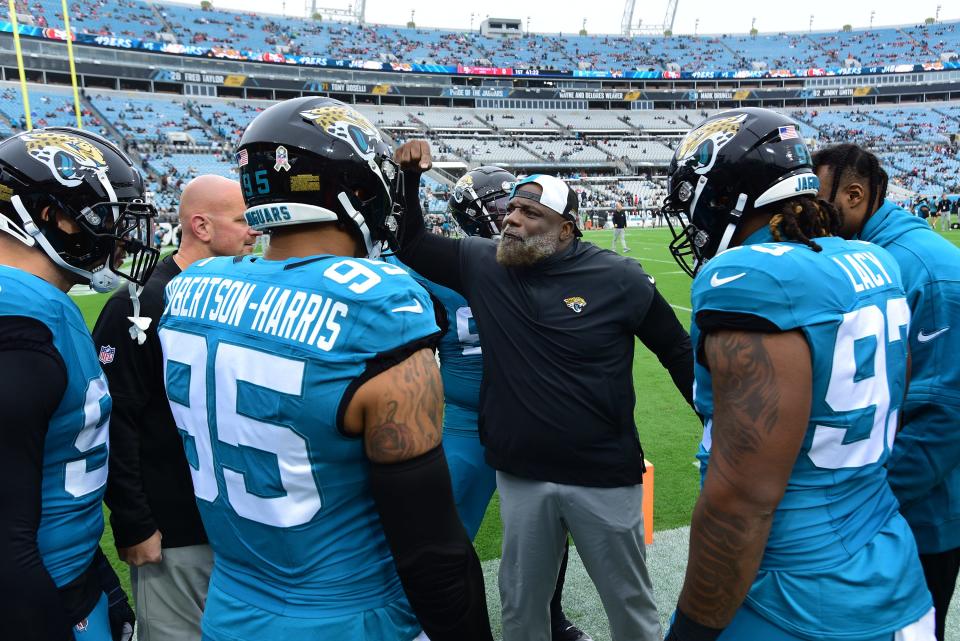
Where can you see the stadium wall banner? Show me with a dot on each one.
(517, 93)
(110, 41)
(475, 92)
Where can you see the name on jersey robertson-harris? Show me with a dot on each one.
(307, 318)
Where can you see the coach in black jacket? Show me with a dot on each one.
(558, 318)
(156, 524)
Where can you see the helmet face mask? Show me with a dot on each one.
(697, 218)
(479, 200)
(733, 163)
(314, 160)
(58, 172)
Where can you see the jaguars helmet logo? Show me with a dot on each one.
(347, 125)
(67, 156)
(463, 187)
(704, 142)
(576, 303)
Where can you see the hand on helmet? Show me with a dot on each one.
(414, 156)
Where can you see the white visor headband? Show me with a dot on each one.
(284, 214)
(281, 214)
(805, 183)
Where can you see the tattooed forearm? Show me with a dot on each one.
(725, 552)
(406, 419)
(761, 394)
(745, 393)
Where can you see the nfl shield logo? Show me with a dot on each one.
(106, 354)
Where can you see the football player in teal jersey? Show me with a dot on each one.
(924, 467)
(311, 404)
(801, 367)
(71, 205)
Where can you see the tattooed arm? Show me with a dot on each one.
(762, 393)
(400, 413)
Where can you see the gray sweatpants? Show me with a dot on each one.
(169, 596)
(619, 232)
(607, 529)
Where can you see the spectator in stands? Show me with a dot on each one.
(156, 525)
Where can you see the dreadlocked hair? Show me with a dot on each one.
(849, 161)
(802, 219)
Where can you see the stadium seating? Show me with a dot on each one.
(637, 151)
(150, 119)
(912, 139)
(265, 33)
(49, 107)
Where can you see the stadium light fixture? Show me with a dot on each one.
(628, 28)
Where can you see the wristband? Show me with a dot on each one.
(686, 629)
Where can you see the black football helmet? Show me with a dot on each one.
(87, 178)
(731, 164)
(478, 201)
(314, 159)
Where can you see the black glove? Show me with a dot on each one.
(122, 619)
(121, 614)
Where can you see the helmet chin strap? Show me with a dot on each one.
(373, 249)
(16, 232)
(735, 217)
(138, 324)
(102, 281)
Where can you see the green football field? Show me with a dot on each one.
(669, 430)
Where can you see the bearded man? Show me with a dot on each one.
(558, 317)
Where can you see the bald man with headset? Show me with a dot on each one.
(156, 525)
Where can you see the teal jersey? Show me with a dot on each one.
(261, 359)
(840, 562)
(461, 360)
(75, 449)
(924, 468)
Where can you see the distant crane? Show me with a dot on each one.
(627, 27)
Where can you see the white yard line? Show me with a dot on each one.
(655, 260)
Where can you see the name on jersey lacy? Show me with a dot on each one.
(860, 270)
(305, 317)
